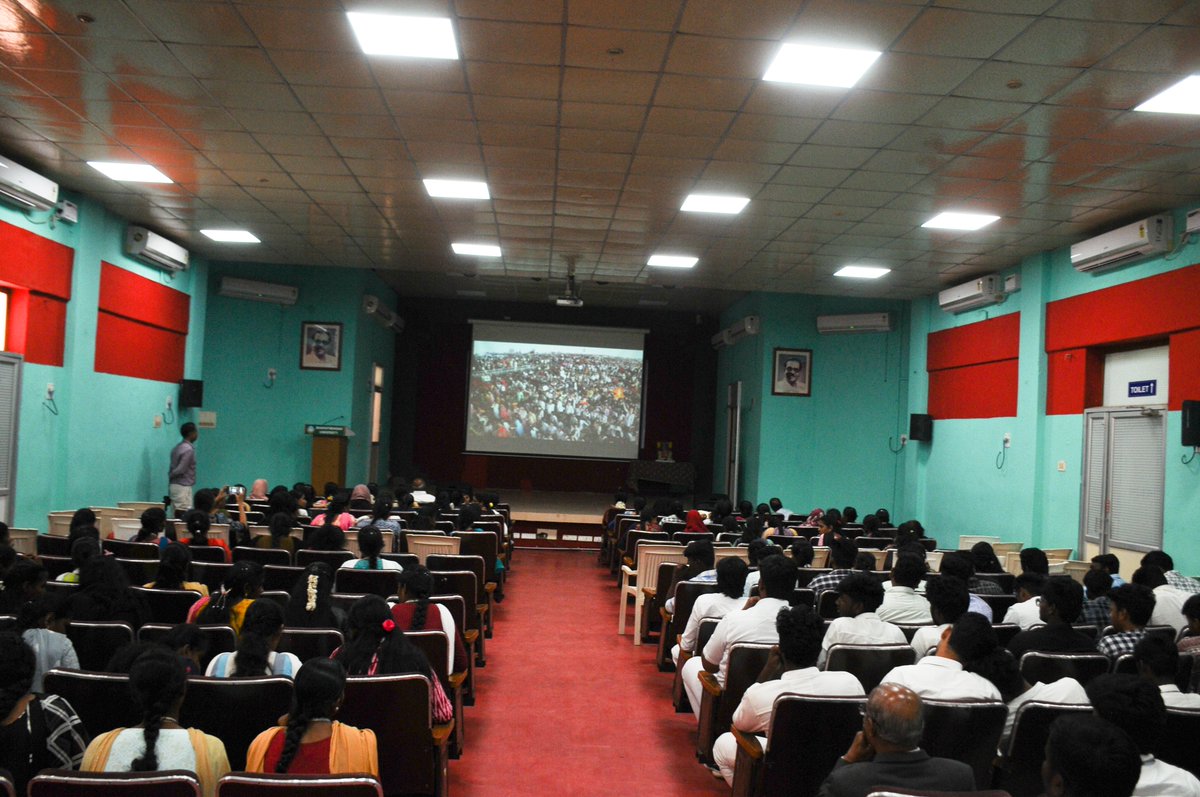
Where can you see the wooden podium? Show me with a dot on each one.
(329, 445)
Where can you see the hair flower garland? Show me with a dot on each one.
(310, 603)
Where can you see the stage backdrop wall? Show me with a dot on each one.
(430, 408)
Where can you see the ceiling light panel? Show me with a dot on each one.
(820, 66)
(1183, 97)
(130, 172)
(478, 250)
(232, 236)
(862, 272)
(960, 221)
(672, 261)
(457, 189)
(714, 203)
(404, 36)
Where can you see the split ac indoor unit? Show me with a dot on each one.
(1123, 245)
(854, 324)
(374, 308)
(750, 325)
(979, 292)
(152, 248)
(236, 288)
(26, 188)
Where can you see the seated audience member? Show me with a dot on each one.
(802, 552)
(157, 683)
(1174, 577)
(1034, 560)
(850, 516)
(280, 526)
(842, 553)
(375, 645)
(258, 491)
(948, 601)
(1158, 661)
(310, 605)
(8, 558)
(791, 669)
(676, 514)
(310, 741)
(256, 652)
(1132, 605)
(35, 732)
(777, 508)
(756, 623)
(190, 645)
(694, 524)
(242, 586)
(212, 503)
(885, 518)
(416, 612)
(104, 595)
(984, 558)
(153, 521)
(859, 596)
(83, 524)
(731, 577)
(1135, 705)
(380, 516)
(1168, 601)
(1190, 644)
(335, 513)
(829, 531)
(1026, 612)
(360, 497)
(649, 521)
(959, 565)
(753, 530)
(1089, 757)
(864, 561)
(901, 603)
(1061, 602)
(1097, 584)
(1005, 673)
(887, 751)
(24, 581)
(82, 550)
(42, 627)
(370, 545)
(870, 527)
(198, 525)
(756, 551)
(947, 675)
(175, 570)
(1110, 564)
(699, 567)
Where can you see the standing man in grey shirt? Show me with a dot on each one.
(182, 475)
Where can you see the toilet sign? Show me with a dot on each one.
(1143, 389)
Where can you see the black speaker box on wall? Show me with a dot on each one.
(1191, 423)
(920, 428)
(191, 393)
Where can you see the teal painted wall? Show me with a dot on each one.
(102, 446)
(260, 430)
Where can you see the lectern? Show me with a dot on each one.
(329, 445)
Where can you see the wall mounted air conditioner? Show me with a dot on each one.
(386, 318)
(854, 324)
(152, 248)
(26, 188)
(255, 291)
(970, 295)
(750, 325)
(1123, 245)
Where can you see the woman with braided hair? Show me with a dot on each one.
(370, 545)
(375, 645)
(415, 612)
(311, 605)
(309, 741)
(157, 684)
(241, 588)
(256, 654)
(175, 570)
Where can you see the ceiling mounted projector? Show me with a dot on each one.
(569, 301)
(572, 298)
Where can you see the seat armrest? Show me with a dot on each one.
(457, 678)
(628, 560)
(748, 742)
(470, 636)
(649, 592)
(666, 616)
(627, 568)
(482, 608)
(490, 587)
(709, 682)
(441, 732)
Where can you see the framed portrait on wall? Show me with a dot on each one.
(793, 372)
(321, 346)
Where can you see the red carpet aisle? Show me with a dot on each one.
(567, 707)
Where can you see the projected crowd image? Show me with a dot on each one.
(545, 393)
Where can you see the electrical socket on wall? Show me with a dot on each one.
(903, 440)
(49, 391)
(1007, 440)
(272, 373)
(168, 403)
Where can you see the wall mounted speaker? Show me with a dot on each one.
(191, 393)
(920, 428)
(1191, 423)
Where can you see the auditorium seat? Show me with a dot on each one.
(235, 710)
(207, 553)
(100, 699)
(486, 545)
(279, 596)
(279, 577)
(655, 596)
(1020, 765)
(344, 601)
(219, 638)
(869, 663)
(458, 610)
(1178, 745)
(95, 642)
(56, 565)
(264, 556)
(679, 695)
(686, 593)
(1005, 632)
(69, 783)
(210, 574)
(464, 584)
(245, 784)
(307, 556)
(434, 644)
(647, 557)
(52, 545)
(1047, 667)
(131, 550)
(168, 605)
(405, 560)
(805, 575)
(717, 703)
(476, 564)
(139, 571)
(389, 542)
(310, 643)
(366, 582)
(422, 545)
(965, 730)
(684, 537)
(827, 604)
(802, 596)
(6, 786)
(1006, 582)
(999, 604)
(906, 793)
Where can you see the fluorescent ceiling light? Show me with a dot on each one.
(457, 189)
(861, 272)
(714, 203)
(411, 37)
(820, 66)
(672, 261)
(1183, 97)
(232, 236)
(479, 250)
(960, 221)
(130, 172)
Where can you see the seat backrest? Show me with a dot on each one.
(69, 783)
(484, 544)
(210, 574)
(730, 551)
(219, 638)
(874, 542)
(1125, 664)
(434, 645)
(684, 537)
(56, 565)
(967, 541)
(635, 539)
(235, 710)
(397, 708)
(746, 662)
(421, 545)
(264, 556)
(1006, 582)
(1005, 632)
(463, 584)
(405, 560)
(651, 555)
(457, 608)
(95, 642)
(827, 604)
(277, 595)
(7, 788)
(1026, 751)
(808, 734)
(802, 596)
(52, 545)
(367, 582)
(306, 556)
(446, 563)
(805, 575)
(280, 577)
(207, 553)
(1046, 667)
(245, 784)
(965, 730)
(139, 571)
(168, 605)
(686, 593)
(344, 600)
(131, 550)
(869, 663)
(999, 604)
(310, 643)
(101, 699)
(352, 540)
(1178, 745)
(705, 631)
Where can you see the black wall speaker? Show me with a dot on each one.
(1191, 424)
(920, 428)
(191, 393)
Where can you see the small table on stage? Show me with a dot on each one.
(674, 477)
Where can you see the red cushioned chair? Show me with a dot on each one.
(235, 710)
(69, 783)
(243, 784)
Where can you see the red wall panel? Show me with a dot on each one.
(1185, 368)
(46, 330)
(126, 294)
(30, 261)
(1074, 381)
(982, 342)
(987, 390)
(129, 348)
